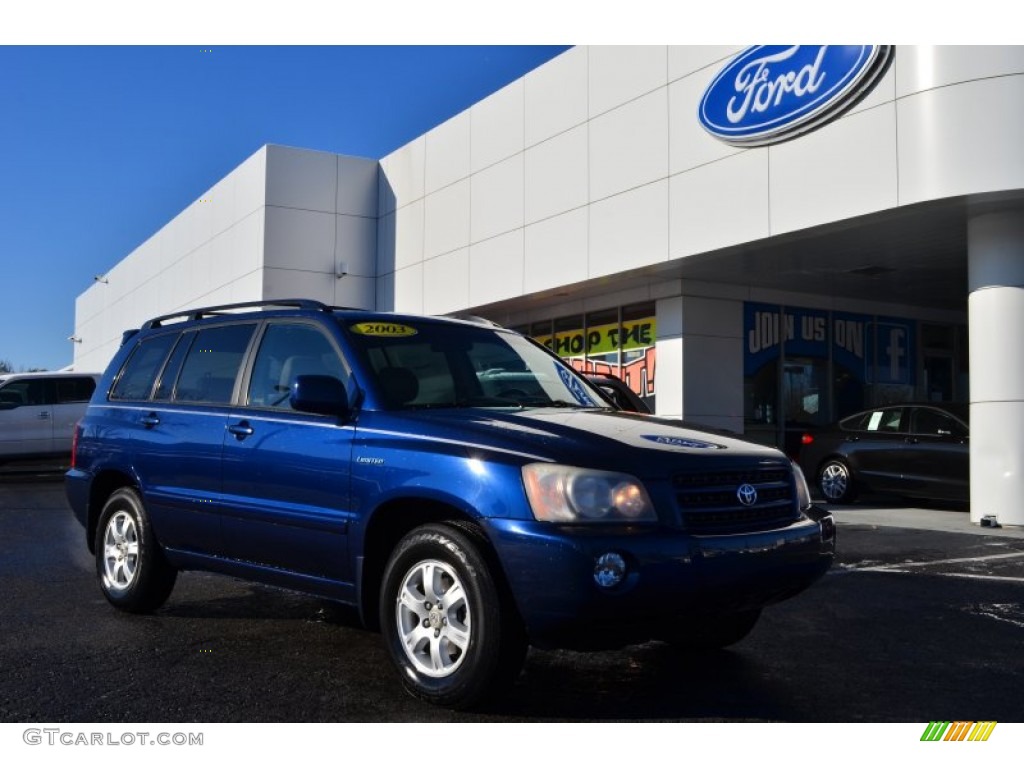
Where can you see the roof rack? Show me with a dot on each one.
(474, 319)
(201, 312)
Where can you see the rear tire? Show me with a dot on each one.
(447, 627)
(133, 572)
(835, 481)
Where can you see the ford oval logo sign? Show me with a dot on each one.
(771, 93)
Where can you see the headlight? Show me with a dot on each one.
(560, 494)
(803, 493)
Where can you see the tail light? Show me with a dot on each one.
(806, 438)
(74, 442)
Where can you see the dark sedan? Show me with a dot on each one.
(917, 450)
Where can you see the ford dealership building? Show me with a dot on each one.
(760, 239)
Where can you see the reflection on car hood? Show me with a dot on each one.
(593, 438)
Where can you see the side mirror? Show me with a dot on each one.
(325, 395)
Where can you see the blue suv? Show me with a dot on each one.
(462, 486)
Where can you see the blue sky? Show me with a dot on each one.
(102, 146)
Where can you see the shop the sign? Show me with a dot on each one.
(771, 93)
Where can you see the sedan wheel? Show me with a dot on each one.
(835, 482)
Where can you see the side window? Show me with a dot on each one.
(75, 390)
(288, 350)
(24, 392)
(935, 423)
(165, 388)
(211, 366)
(135, 381)
(886, 420)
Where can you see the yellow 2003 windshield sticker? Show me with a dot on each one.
(383, 329)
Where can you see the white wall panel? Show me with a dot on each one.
(355, 291)
(496, 199)
(712, 317)
(496, 269)
(953, 141)
(684, 60)
(446, 220)
(247, 243)
(690, 146)
(299, 239)
(408, 285)
(719, 204)
(357, 186)
(301, 178)
(447, 152)
(386, 238)
(497, 126)
(556, 96)
(289, 283)
(629, 230)
(712, 378)
(446, 283)
(403, 176)
(923, 67)
(556, 251)
(557, 174)
(846, 169)
(250, 184)
(621, 73)
(222, 205)
(629, 146)
(355, 245)
(409, 234)
(385, 288)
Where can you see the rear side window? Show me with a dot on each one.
(75, 390)
(211, 367)
(135, 381)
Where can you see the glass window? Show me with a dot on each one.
(165, 388)
(927, 421)
(135, 381)
(24, 392)
(212, 364)
(75, 390)
(288, 350)
(884, 420)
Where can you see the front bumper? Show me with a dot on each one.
(670, 575)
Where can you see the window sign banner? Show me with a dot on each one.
(602, 339)
(860, 343)
(597, 349)
(893, 352)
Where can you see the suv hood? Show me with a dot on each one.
(591, 438)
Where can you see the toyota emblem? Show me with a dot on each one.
(747, 494)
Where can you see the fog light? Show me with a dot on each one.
(609, 569)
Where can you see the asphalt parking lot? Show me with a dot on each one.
(921, 619)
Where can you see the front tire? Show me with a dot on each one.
(836, 482)
(448, 628)
(133, 572)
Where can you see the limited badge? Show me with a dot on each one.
(383, 329)
(681, 442)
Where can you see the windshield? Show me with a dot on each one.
(442, 365)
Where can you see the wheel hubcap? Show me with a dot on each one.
(834, 481)
(120, 551)
(432, 616)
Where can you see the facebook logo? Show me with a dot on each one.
(894, 361)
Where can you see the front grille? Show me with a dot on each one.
(709, 502)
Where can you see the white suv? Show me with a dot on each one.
(38, 412)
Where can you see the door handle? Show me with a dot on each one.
(911, 440)
(241, 430)
(150, 420)
(43, 415)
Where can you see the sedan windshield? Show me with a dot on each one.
(430, 364)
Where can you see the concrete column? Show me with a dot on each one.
(995, 257)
